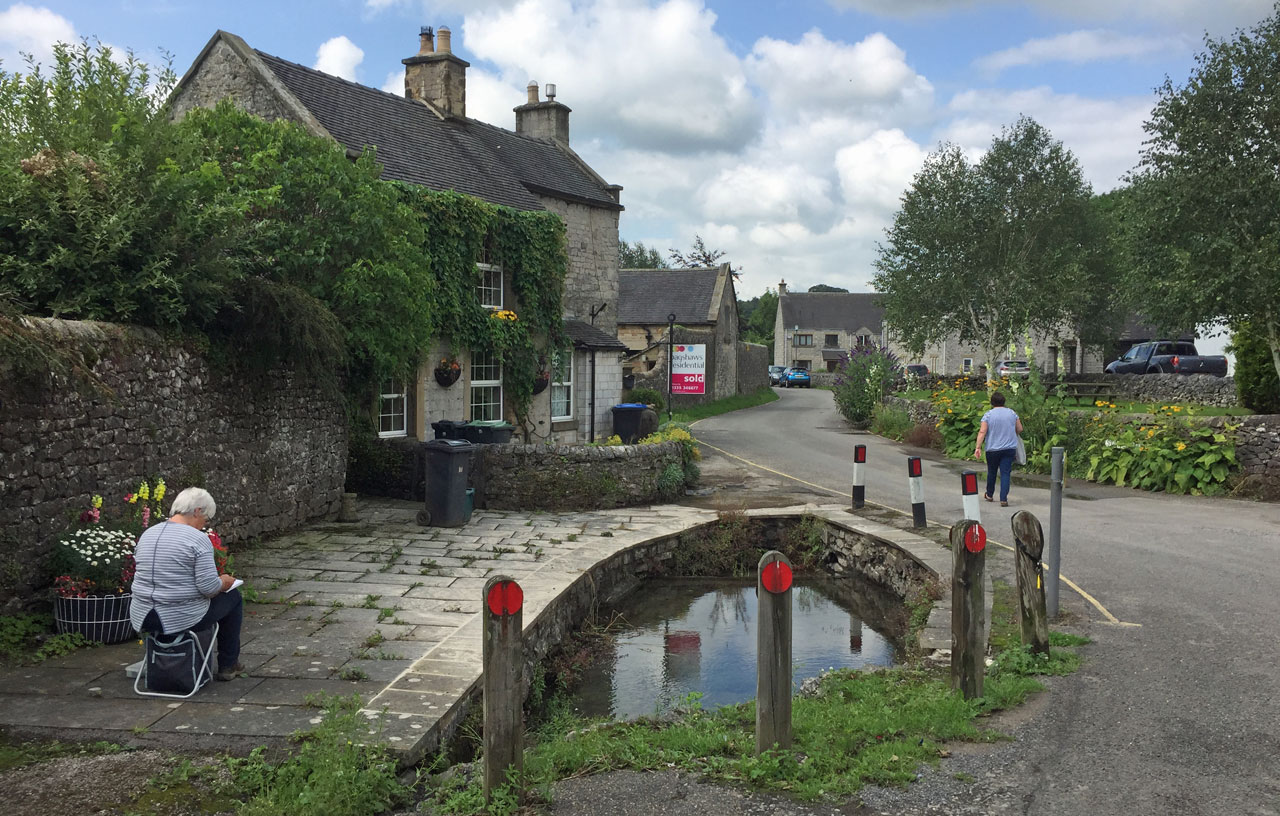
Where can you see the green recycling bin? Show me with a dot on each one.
(448, 466)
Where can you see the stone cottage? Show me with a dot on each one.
(426, 138)
(705, 306)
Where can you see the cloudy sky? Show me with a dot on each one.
(782, 131)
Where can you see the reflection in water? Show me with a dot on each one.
(699, 634)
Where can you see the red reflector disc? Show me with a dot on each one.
(505, 598)
(913, 466)
(776, 576)
(860, 454)
(969, 482)
(975, 538)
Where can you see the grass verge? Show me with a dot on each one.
(724, 406)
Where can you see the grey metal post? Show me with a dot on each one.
(671, 358)
(1053, 554)
(503, 654)
(773, 652)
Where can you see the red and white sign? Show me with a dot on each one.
(689, 369)
(975, 538)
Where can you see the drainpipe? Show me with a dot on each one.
(593, 396)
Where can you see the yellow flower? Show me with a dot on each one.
(948, 410)
(144, 492)
(160, 488)
(1151, 433)
(1181, 446)
(97, 502)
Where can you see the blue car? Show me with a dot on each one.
(795, 378)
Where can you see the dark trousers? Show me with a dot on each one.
(1001, 460)
(227, 610)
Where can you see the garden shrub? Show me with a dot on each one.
(649, 396)
(890, 422)
(924, 435)
(862, 380)
(1257, 385)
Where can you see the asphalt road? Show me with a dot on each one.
(1178, 714)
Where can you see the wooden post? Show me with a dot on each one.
(502, 611)
(968, 644)
(1032, 614)
(773, 652)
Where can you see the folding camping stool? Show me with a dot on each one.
(185, 659)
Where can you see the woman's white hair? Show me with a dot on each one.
(193, 499)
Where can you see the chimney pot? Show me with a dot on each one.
(426, 41)
(532, 89)
(445, 35)
(551, 92)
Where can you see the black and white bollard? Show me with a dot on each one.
(859, 476)
(969, 494)
(915, 478)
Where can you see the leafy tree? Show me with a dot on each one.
(639, 256)
(757, 316)
(1256, 381)
(822, 287)
(700, 256)
(1205, 225)
(991, 251)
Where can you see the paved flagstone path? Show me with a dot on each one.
(383, 608)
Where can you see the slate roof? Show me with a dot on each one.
(647, 296)
(415, 145)
(584, 335)
(848, 311)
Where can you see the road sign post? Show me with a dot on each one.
(503, 618)
(1053, 558)
(1028, 538)
(968, 642)
(969, 495)
(859, 476)
(773, 652)
(915, 480)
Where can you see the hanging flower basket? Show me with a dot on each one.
(447, 372)
(541, 381)
(104, 618)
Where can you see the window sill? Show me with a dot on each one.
(392, 434)
(564, 425)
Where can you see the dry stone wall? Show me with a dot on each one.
(272, 451)
(579, 477)
(1202, 389)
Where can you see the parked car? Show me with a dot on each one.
(1167, 357)
(1013, 368)
(915, 370)
(795, 378)
(775, 374)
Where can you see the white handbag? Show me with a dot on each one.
(1021, 455)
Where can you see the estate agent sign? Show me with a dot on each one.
(689, 369)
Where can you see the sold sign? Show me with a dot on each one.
(505, 598)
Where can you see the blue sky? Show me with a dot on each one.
(782, 132)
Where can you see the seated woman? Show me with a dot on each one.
(177, 587)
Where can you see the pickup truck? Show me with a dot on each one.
(1167, 357)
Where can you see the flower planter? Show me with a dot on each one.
(447, 376)
(104, 618)
(540, 383)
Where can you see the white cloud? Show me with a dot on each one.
(874, 172)
(394, 83)
(765, 192)
(1080, 47)
(871, 77)
(30, 30)
(340, 57)
(1189, 16)
(639, 76)
(492, 99)
(1105, 135)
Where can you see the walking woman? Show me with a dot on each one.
(1000, 428)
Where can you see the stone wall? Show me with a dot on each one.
(272, 451)
(1204, 389)
(753, 367)
(562, 477)
(1258, 452)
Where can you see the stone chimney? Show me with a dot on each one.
(543, 120)
(436, 75)
(782, 288)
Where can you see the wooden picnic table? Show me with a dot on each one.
(1082, 392)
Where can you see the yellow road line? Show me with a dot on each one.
(1096, 604)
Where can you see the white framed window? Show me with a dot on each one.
(489, 289)
(562, 384)
(966, 365)
(391, 413)
(486, 386)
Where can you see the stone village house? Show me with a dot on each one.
(703, 301)
(426, 138)
(813, 330)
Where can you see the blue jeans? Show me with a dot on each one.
(227, 610)
(1001, 460)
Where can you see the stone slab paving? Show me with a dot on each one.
(382, 608)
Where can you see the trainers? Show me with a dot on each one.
(229, 673)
